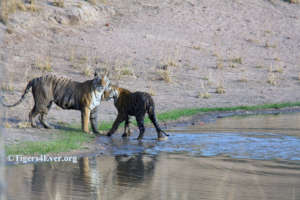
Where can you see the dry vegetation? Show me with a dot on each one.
(44, 65)
(151, 91)
(87, 71)
(59, 3)
(11, 6)
(164, 74)
(220, 88)
(204, 91)
(127, 71)
(204, 95)
(268, 45)
(219, 65)
(272, 79)
(237, 60)
(93, 2)
(24, 125)
(7, 87)
(243, 78)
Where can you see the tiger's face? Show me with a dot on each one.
(110, 92)
(100, 83)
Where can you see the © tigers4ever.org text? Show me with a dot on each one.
(41, 158)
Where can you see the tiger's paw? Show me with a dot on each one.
(162, 138)
(108, 134)
(96, 132)
(125, 135)
(139, 138)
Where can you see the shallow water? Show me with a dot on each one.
(256, 157)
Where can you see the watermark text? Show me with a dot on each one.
(41, 158)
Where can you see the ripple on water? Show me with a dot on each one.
(262, 146)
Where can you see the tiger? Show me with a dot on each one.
(67, 94)
(132, 104)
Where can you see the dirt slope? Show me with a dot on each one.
(180, 51)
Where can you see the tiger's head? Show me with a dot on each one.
(111, 92)
(100, 82)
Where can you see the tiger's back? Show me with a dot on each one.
(64, 92)
(134, 104)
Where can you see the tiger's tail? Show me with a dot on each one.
(29, 85)
(151, 113)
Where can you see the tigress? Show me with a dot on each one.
(67, 94)
(132, 104)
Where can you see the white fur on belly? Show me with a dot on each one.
(96, 99)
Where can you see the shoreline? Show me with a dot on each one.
(88, 143)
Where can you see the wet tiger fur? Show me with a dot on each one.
(132, 104)
(67, 94)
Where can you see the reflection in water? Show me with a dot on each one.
(168, 176)
(136, 168)
(159, 170)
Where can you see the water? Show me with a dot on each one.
(253, 157)
(251, 145)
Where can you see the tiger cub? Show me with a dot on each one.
(132, 104)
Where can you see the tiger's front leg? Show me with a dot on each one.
(115, 125)
(85, 116)
(94, 120)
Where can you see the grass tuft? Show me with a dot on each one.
(92, 2)
(44, 66)
(204, 95)
(7, 87)
(59, 3)
(237, 60)
(126, 71)
(87, 71)
(272, 79)
(220, 90)
(164, 74)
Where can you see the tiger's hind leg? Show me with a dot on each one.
(43, 116)
(33, 113)
(153, 119)
(126, 127)
(140, 122)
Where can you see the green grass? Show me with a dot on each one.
(186, 112)
(178, 113)
(70, 140)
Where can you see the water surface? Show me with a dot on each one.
(254, 157)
